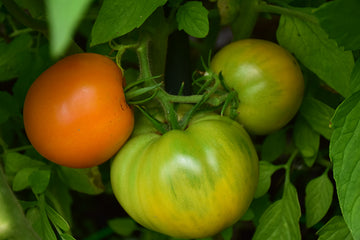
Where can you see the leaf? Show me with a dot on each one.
(46, 229)
(66, 236)
(87, 180)
(57, 219)
(335, 229)
(227, 233)
(8, 107)
(266, 170)
(316, 51)
(318, 198)
(63, 18)
(306, 140)
(123, 226)
(21, 179)
(332, 20)
(355, 77)
(273, 146)
(117, 18)
(39, 180)
(345, 155)
(318, 115)
(14, 162)
(281, 219)
(12, 56)
(192, 17)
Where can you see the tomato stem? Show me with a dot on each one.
(289, 11)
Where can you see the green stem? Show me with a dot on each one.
(162, 96)
(13, 223)
(23, 18)
(288, 164)
(268, 8)
(244, 23)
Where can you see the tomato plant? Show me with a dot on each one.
(268, 81)
(169, 51)
(187, 184)
(75, 113)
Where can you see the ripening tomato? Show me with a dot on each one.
(268, 81)
(75, 113)
(187, 184)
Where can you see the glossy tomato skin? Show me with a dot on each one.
(268, 81)
(75, 113)
(187, 184)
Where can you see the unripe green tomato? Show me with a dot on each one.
(267, 79)
(187, 184)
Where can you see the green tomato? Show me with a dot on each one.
(187, 184)
(267, 79)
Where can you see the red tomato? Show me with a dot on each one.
(75, 113)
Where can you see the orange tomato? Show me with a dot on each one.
(75, 113)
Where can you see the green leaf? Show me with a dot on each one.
(66, 236)
(39, 180)
(8, 107)
(355, 77)
(273, 146)
(227, 233)
(338, 19)
(335, 229)
(63, 18)
(46, 229)
(192, 17)
(21, 179)
(14, 162)
(281, 219)
(318, 115)
(345, 155)
(306, 140)
(123, 226)
(117, 18)
(87, 180)
(317, 52)
(57, 219)
(12, 56)
(318, 198)
(266, 170)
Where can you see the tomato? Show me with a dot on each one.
(187, 184)
(75, 113)
(267, 79)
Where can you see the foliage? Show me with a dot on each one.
(309, 170)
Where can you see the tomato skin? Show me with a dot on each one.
(75, 113)
(187, 184)
(268, 80)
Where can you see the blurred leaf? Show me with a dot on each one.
(8, 107)
(228, 10)
(14, 162)
(63, 18)
(316, 51)
(117, 18)
(318, 198)
(46, 231)
(332, 20)
(266, 170)
(227, 233)
(281, 219)
(66, 236)
(87, 180)
(39, 180)
(335, 229)
(355, 77)
(318, 115)
(57, 219)
(273, 146)
(12, 56)
(345, 155)
(192, 17)
(306, 140)
(123, 226)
